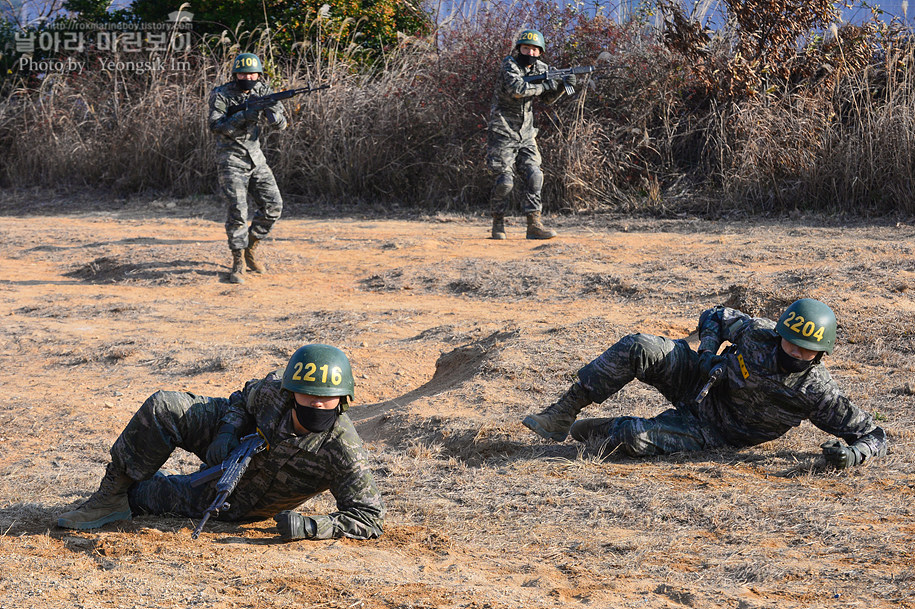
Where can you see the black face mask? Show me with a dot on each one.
(246, 85)
(525, 60)
(315, 420)
(792, 364)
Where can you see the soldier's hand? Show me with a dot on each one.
(708, 360)
(293, 525)
(571, 80)
(251, 115)
(551, 84)
(840, 456)
(271, 116)
(224, 443)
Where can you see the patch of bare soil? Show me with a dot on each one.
(453, 338)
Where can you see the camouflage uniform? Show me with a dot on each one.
(293, 469)
(512, 134)
(753, 403)
(242, 165)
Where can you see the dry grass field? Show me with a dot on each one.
(453, 339)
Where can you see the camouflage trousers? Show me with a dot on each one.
(673, 369)
(235, 181)
(502, 155)
(167, 420)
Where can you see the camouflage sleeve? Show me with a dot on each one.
(360, 509)
(837, 415)
(237, 414)
(278, 110)
(513, 82)
(217, 119)
(720, 324)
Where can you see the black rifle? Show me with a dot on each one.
(562, 74)
(713, 377)
(229, 473)
(265, 101)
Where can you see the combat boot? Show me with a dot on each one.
(535, 228)
(554, 422)
(591, 430)
(237, 274)
(107, 504)
(253, 264)
(498, 227)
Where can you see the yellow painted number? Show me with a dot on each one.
(804, 327)
(309, 369)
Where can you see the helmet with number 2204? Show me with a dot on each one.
(809, 324)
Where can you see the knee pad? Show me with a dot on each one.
(535, 180)
(503, 186)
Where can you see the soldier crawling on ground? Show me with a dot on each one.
(241, 163)
(773, 380)
(512, 133)
(312, 447)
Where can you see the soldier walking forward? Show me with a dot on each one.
(241, 164)
(512, 136)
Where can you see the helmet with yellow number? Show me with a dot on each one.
(809, 324)
(532, 37)
(247, 63)
(320, 370)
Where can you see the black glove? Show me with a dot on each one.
(551, 84)
(708, 360)
(571, 80)
(224, 443)
(271, 116)
(251, 115)
(840, 456)
(293, 525)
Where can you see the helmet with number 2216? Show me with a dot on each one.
(320, 370)
(809, 324)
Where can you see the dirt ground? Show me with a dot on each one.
(453, 339)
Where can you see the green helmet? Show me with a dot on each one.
(533, 38)
(247, 63)
(809, 324)
(320, 370)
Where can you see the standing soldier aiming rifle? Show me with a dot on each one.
(309, 446)
(512, 133)
(241, 164)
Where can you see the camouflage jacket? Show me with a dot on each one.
(296, 468)
(237, 138)
(757, 402)
(512, 112)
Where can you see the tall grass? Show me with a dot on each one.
(654, 127)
